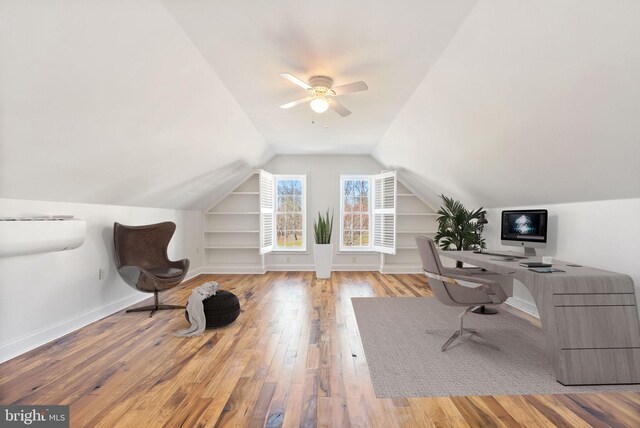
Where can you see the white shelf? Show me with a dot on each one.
(232, 231)
(406, 248)
(425, 214)
(413, 232)
(406, 195)
(231, 247)
(233, 213)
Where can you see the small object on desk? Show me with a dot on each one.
(547, 259)
(545, 270)
(535, 264)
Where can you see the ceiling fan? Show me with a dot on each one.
(323, 92)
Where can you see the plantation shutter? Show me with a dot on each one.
(384, 212)
(267, 212)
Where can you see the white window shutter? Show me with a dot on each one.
(267, 211)
(384, 212)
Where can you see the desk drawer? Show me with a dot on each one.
(598, 366)
(593, 299)
(580, 327)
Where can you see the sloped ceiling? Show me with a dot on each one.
(110, 102)
(531, 103)
(171, 103)
(390, 45)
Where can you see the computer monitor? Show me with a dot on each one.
(525, 228)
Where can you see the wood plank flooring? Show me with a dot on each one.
(293, 358)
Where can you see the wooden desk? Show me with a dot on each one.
(589, 318)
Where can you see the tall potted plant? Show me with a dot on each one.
(323, 248)
(458, 228)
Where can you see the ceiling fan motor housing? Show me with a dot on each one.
(321, 84)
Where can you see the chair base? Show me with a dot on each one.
(155, 307)
(484, 310)
(461, 331)
(456, 335)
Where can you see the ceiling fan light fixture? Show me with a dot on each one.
(321, 93)
(319, 104)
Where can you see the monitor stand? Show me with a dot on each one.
(530, 252)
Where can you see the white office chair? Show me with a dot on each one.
(445, 284)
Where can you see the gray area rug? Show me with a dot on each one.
(402, 337)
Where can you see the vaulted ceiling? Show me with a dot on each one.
(389, 45)
(169, 103)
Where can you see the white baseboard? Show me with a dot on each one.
(355, 268)
(288, 267)
(400, 268)
(524, 306)
(192, 274)
(233, 269)
(298, 267)
(291, 267)
(47, 334)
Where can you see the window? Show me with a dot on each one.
(355, 213)
(290, 213)
(367, 212)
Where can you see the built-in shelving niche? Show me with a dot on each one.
(231, 232)
(413, 218)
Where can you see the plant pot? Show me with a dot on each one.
(322, 254)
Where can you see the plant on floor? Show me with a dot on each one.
(458, 228)
(322, 228)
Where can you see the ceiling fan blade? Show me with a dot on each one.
(350, 87)
(338, 108)
(293, 79)
(296, 102)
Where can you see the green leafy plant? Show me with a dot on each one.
(458, 228)
(322, 228)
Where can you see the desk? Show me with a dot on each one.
(589, 318)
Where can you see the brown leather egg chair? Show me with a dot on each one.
(142, 261)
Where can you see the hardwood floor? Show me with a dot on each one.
(293, 358)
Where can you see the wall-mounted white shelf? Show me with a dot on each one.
(406, 195)
(245, 193)
(417, 232)
(407, 248)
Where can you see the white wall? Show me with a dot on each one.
(601, 234)
(532, 102)
(44, 296)
(109, 102)
(323, 192)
